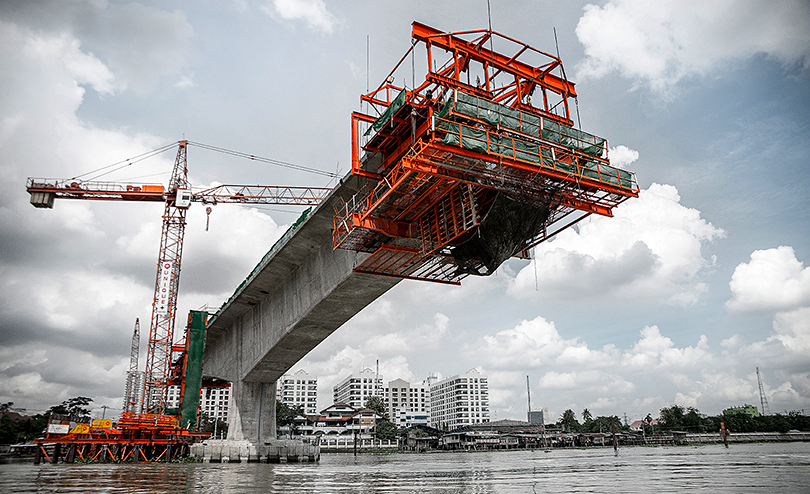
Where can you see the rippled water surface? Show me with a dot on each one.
(710, 468)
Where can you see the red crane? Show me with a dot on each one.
(177, 198)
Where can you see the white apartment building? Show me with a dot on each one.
(215, 402)
(459, 400)
(357, 388)
(403, 418)
(400, 395)
(299, 389)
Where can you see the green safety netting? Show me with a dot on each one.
(389, 112)
(572, 138)
(508, 147)
(496, 114)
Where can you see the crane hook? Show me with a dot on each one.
(207, 216)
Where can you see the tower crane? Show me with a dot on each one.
(177, 199)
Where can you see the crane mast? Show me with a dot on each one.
(152, 396)
(134, 386)
(164, 303)
(763, 400)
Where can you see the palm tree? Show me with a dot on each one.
(586, 416)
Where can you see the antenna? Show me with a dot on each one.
(763, 401)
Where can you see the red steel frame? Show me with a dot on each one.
(429, 193)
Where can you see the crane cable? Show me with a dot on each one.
(154, 152)
(264, 160)
(125, 163)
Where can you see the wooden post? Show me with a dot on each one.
(57, 450)
(71, 454)
(613, 433)
(38, 455)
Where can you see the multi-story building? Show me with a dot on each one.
(215, 402)
(459, 400)
(408, 418)
(299, 389)
(357, 388)
(403, 396)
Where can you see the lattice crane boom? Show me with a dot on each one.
(177, 199)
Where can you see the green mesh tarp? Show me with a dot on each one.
(495, 114)
(194, 362)
(389, 112)
(607, 173)
(572, 138)
(508, 147)
(507, 117)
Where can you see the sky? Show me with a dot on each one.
(677, 299)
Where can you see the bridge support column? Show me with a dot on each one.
(253, 412)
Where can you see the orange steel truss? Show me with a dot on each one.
(443, 155)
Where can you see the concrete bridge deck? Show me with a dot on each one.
(299, 294)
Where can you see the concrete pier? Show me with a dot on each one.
(276, 451)
(300, 293)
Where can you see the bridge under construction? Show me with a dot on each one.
(477, 162)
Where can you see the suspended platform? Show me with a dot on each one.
(467, 175)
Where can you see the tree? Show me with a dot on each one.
(672, 417)
(74, 406)
(586, 416)
(569, 421)
(5, 407)
(386, 430)
(285, 414)
(207, 425)
(377, 404)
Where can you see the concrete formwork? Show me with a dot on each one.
(297, 297)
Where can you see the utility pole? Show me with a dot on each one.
(529, 396)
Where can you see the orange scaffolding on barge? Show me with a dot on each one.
(135, 437)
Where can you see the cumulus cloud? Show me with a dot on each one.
(622, 156)
(568, 373)
(773, 280)
(75, 278)
(659, 44)
(650, 249)
(313, 12)
(138, 44)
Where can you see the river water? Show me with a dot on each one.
(764, 467)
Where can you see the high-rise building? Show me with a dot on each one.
(299, 389)
(459, 400)
(215, 402)
(357, 388)
(403, 396)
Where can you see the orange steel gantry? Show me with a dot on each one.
(467, 174)
(177, 199)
